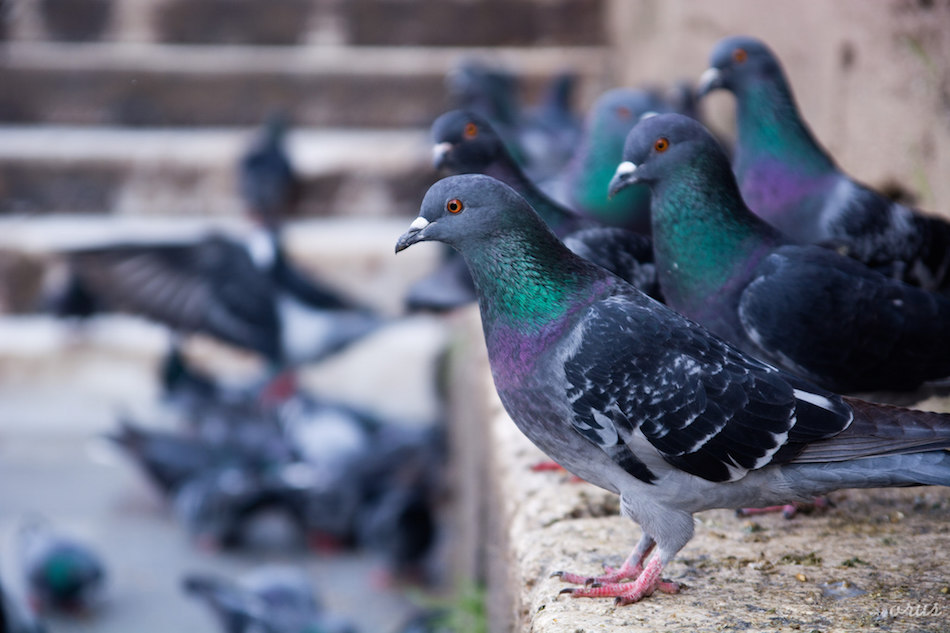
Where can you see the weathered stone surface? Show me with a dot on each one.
(485, 23)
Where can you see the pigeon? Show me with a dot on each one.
(464, 142)
(269, 185)
(492, 93)
(274, 599)
(168, 459)
(637, 399)
(220, 507)
(807, 309)
(585, 179)
(549, 131)
(61, 573)
(16, 617)
(403, 484)
(215, 286)
(787, 178)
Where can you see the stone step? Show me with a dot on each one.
(191, 172)
(163, 85)
(288, 22)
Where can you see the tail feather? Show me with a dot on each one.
(915, 469)
(880, 430)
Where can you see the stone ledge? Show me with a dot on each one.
(770, 574)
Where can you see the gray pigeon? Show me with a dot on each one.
(637, 399)
(807, 309)
(790, 180)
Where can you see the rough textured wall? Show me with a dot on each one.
(872, 78)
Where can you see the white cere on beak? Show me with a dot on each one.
(708, 78)
(439, 150)
(649, 115)
(625, 168)
(418, 224)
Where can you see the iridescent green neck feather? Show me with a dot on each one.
(703, 234)
(770, 128)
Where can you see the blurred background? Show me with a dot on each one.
(131, 121)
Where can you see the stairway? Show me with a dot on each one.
(140, 106)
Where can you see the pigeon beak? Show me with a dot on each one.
(710, 80)
(625, 176)
(413, 235)
(439, 152)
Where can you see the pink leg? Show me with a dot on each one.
(788, 511)
(629, 592)
(631, 568)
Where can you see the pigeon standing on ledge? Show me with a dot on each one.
(805, 308)
(637, 399)
(787, 178)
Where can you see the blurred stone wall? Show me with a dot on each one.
(872, 78)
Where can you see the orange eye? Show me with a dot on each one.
(661, 145)
(454, 206)
(471, 131)
(624, 112)
(739, 55)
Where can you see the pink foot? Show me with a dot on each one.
(789, 511)
(551, 466)
(625, 593)
(546, 466)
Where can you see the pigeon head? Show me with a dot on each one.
(617, 111)
(460, 210)
(736, 62)
(662, 146)
(464, 142)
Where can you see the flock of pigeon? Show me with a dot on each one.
(666, 319)
(675, 325)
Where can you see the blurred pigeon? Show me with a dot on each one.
(788, 179)
(637, 399)
(216, 286)
(269, 185)
(273, 599)
(219, 507)
(805, 308)
(16, 617)
(465, 142)
(403, 485)
(169, 459)
(550, 130)
(492, 93)
(61, 573)
(586, 178)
